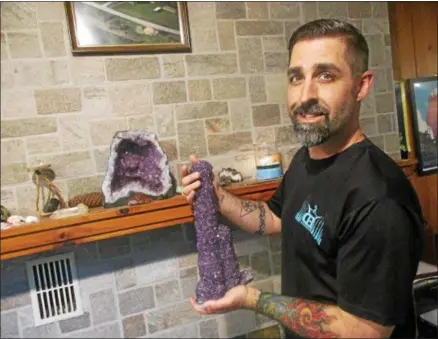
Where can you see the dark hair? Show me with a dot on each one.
(357, 46)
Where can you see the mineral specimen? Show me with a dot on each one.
(217, 261)
(228, 176)
(136, 164)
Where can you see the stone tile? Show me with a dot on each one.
(103, 306)
(310, 10)
(187, 331)
(284, 10)
(368, 106)
(384, 102)
(189, 280)
(180, 313)
(52, 36)
(74, 132)
(155, 268)
(8, 198)
(76, 323)
(124, 274)
(211, 64)
(209, 329)
(199, 90)
(200, 110)
(274, 44)
(376, 46)
(229, 88)
(224, 143)
(67, 165)
(18, 104)
(217, 125)
(276, 88)
(13, 151)
(167, 292)
(336, 10)
(95, 276)
(14, 174)
(188, 260)
(264, 135)
(276, 62)
(275, 243)
(227, 38)
(250, 55)
(358, 23)
(40, 73)
(238, 322)
(169, 92)
(230, 10)
(380, 80)
(103, 131)
(379, 9)
(257, 10)
(390, 79)
(164, 119)
(204, 40)
(121, 69)
(9, 325)
(392, 143)
(173, 66)
(276, 263)
(18, 15)
(114, 247)
(25, 315)
(63, 100)
(368, 126)
(101, 159)
(265, 115)
(253, 27)
(375, 26)
(4, 49)
(142, 123)
(79, 186)
(257, 89)
(385, 123)
(268, 332)
(137, 300)
(43, 331)
(131, 99)
(378, 141)
(170, 149)
(260, 265)
(87, 71)
(284, 136)
(289, 28)
(134, 326)
(7, 75)
(191, 138)
(24, 44)
(263, 285)
(51, 11)
(27, 126)
(111, 330)
(202, 14)
(387, 40)
(359, 10)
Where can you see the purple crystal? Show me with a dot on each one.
(136, 164)
(217, 260)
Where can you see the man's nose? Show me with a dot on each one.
(308, 91)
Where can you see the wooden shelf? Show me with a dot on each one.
(103, 223)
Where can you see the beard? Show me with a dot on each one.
(316, 133)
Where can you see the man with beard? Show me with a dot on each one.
(350, 222)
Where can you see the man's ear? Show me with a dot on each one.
(366, 82)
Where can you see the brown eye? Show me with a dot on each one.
(326, 76)
(294, 79)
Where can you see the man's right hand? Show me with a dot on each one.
(190, 181)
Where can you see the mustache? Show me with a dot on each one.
(311, 107)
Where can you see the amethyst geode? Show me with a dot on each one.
(136, 164)
(217, 260)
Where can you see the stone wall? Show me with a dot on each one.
(217, 102)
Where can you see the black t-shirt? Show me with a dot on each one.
(352, 231)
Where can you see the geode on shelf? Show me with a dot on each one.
(136, 164)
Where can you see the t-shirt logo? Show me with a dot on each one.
(308, 218)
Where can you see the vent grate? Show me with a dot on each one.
(54, 288)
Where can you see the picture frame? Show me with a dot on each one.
(423, 104)
(402, 118)
(128, 27)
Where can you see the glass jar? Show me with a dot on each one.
(268, 162)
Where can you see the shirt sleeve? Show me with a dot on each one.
(379, 250)
(276, 201)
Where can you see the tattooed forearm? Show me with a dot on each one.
(247, 207)
(262, 218)
(304, 317)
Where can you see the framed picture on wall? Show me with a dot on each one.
(116, 27)
(402, 118)
(423, 99)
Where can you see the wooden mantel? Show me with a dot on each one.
(102, 223)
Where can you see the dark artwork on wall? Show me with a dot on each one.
(400, 103)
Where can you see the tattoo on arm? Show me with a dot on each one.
(222, 198)
(262, 218)
(247, 207)
(304, 317)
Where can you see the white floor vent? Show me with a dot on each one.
(54, 288)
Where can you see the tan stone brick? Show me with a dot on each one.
(380, 80)
(202, 14)
(164, 119)
(8, 199)
(217, 125)
(173, 66)
(14, 174)
(284, 10)
(102, 131)
(51, 11)
(62, 100)
(78, 186)
(385, 123)
(101, 158)
(41, 73)
(169, 92)
(227, 38)
(276, 62)
(224, 143)
(384, 102)
(18, 15)
(96, 102)
(13, 151)
(143, 123)
(274, 44)
(310, 10)
(368, 126)
(252, 27)
(199, 90)
(169, 147)
(191, 138)
(387, 39)
(240, 115)
(87, 71)
(229, 88)
(24, 44)
(390, 79)
(250, 55)
(41, 144)
(204, 40)
(211, 64)
(230, 10)
(264, 134)
(257, 89)
(4, 51)
(67, 165)
(379, 9)
(375, 26)
(265, 115)
(392, 143)
(276, 88)
(378, 140)
(27, 126)
(200, 110)
(52, 36)
(7, 75)
(18, 104)
(120, 69)
(131, 99)
(74, 133)
(257, 10)
(359, 10)
(368, 106)
(335, 10)
(289, 28)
